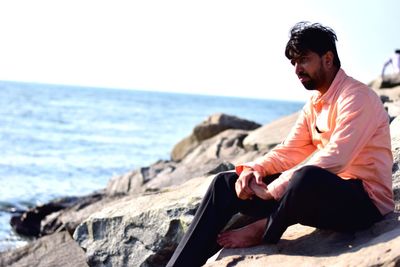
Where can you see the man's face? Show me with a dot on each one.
(310, 70)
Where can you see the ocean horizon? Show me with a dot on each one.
(62, 140)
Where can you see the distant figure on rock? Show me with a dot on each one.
(394, 60)
(333, 171)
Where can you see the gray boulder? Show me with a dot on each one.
(217, 140)
(269, 135)
(219, 122)
(389, 81)
(393, 108)
(210, 127)
(217, 152)
(133, 182)
(69, 218)
(57, 250)
(140, 231)
(389, 92)
(395, 133)
(214, 153)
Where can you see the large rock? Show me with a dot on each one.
(69, 218)
(57, 215)
(269, 135)
(57, 250)
(210, 127)
(305, 246)
(215, 142)
(214, 153)
(393, 108)
(389, 92)
(391, 100)
(219, 122)
(395, 133)
(28, 223)
(142, 231)
(389, 81)
(133, 182)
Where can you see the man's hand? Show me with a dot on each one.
(242, 186)
(260, 191)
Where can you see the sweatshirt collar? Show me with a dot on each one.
(318, 101)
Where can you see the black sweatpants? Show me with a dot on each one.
(314, 197)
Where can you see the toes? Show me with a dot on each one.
(224, 243)
(225, 240)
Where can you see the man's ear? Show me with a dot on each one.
(328, 59)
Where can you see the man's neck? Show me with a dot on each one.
(329, 79)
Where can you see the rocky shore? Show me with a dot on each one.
(139, 218)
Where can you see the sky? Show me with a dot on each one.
(212, 47)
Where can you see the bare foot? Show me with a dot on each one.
(247, 236)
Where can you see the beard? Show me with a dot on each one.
(312, 82)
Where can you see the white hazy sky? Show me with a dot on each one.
(208, 47)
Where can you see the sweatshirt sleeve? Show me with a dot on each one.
(296, 147)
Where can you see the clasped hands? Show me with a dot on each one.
(250, 183)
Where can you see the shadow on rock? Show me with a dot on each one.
(301, 240)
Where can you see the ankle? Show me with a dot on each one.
(259, 227)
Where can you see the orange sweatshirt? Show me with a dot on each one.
(345, 131)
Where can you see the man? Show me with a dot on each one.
(394, 60)
(333, 171)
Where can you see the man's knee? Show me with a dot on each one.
(307, 179)
(224, 179)
(304, 198)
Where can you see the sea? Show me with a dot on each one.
(58, 140)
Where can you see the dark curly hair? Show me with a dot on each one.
(306, 36)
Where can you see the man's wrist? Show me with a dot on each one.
(247, 169)
(268, 195)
